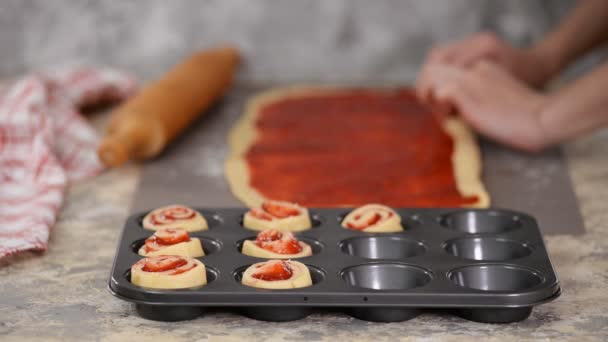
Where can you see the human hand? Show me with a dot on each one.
(491, 100)
(529, 66)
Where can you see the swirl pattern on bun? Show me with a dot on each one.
(373, 218)
(279, 215)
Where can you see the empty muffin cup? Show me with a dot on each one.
(382, 247)
(474, 222)
(487, 248)
(495, 277)
(386, 276)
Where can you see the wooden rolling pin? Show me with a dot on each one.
(142, 127)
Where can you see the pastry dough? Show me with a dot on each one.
(272, 244)
(283, 216)
(169, 272)
(466, 157)
(172, 241)
(299, 275)
(373, 218)
(175, 216)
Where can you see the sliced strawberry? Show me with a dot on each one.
(259, 214)
(269, 235)
(277, 242)
(280, 210)
(373, 220)
(151, 244)
(273, 270)
(171, 236)
(284, 247)
(163, 263)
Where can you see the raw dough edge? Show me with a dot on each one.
(466, 157)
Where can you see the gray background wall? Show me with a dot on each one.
(282, 40)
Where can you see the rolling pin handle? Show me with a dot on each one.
(131, 139)
(113, 152)
(141, 127)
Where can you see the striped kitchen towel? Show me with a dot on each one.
(46, 143)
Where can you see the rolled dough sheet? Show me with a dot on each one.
(466, 159)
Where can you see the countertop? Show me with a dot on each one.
(62, 294)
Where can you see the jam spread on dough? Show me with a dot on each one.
(278, 242)
(166, 237)
(354, 148)
(273, 270)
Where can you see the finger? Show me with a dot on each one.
(492, 71)
(479, 47)
(437, 56)
(444, 53)
(477, 100)
(455, 95)
(423, 89)
(423, 82)
(456, 53)
(442, 109)
(475, 54)
(484, 73)
(447, 89)
(436, 75)
(431, 75)
(486, 68)
(439, 107)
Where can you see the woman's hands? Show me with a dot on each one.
(489, 98)
(490, 82)
(531, 66)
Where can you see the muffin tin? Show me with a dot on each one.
(486, 265)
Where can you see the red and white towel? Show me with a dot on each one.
(45, 143)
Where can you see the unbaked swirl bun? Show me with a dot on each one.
(373, 218)
(172, 241)
(169, 272)
(175, 216)
(273, 244)
(279, 215)
(277, 274)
